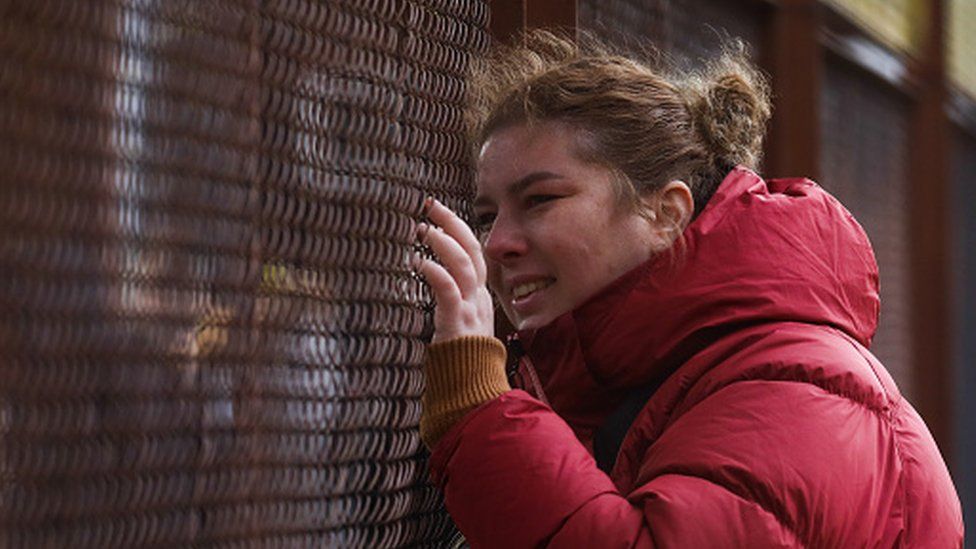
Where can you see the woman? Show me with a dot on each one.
(711, 325)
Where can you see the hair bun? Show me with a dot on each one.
(730, 107)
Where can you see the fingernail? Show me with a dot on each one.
(422, 229)
(416, 261)
(428, 204)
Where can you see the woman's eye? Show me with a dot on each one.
(483, 220)
(536, 199)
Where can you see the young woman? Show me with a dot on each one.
(696, 338)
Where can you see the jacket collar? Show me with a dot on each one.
(759, 252)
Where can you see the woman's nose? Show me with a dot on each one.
(505, 240)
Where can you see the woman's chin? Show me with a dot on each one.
(533, 321)
(534, 318)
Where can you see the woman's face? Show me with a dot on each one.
(554, 232)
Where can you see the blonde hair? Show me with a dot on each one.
(649, 126)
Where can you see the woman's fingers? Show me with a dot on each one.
(454, 258)
(462, 234)
(454, 315)
(464, 305)
(445, 289)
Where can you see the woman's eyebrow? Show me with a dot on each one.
(519, 186)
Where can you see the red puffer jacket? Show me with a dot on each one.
(774, 425)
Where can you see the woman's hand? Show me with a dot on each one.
(464, 306)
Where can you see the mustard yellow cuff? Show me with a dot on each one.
(462, 374)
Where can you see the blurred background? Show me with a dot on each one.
(210, 330)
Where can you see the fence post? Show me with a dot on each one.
(795, 61)
(929, 230)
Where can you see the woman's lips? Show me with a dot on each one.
(530, 295)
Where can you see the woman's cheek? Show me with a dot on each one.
(492, 280)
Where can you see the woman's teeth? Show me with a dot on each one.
(523, 290)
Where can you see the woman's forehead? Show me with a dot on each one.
(514, 151)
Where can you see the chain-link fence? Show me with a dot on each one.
(209, 328)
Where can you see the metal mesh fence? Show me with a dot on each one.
(864, 164)
(209, 328)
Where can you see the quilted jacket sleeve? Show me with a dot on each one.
(514, 475)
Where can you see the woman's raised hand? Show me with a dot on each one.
(464, 306)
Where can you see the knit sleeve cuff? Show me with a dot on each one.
(462, 374)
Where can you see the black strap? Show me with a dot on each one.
(610, 435)
(515, 352)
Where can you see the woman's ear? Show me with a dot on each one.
(669, 210)
(676, 205)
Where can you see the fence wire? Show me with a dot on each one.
(209, 327)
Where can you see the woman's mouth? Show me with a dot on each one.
(523, 292)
